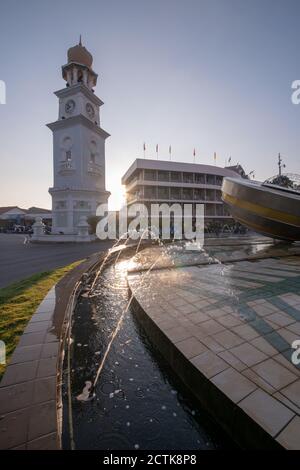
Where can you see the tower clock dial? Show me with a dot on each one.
(70, 106)
(90, 110)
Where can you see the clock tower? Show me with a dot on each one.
(78, 146)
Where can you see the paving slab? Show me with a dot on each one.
(235, 325)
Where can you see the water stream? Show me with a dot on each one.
(138, 401)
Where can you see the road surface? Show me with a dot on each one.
(19, 260)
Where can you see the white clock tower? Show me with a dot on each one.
(78, 146)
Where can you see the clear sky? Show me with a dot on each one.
(211, 74)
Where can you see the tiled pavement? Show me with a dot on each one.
(30, 404)
(236, 323)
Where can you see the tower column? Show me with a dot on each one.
(75, 75)
(69, 78)
(85, 77)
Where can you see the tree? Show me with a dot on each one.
(283, 181)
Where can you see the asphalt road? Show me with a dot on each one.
(19, 260)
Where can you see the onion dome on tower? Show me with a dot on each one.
(79, 67)
(80, 55)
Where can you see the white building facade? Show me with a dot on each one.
(159, 181)
(78, 146)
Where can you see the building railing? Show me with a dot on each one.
(94, 168)
(66, 166)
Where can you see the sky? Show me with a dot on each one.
(214, 75)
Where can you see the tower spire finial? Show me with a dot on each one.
(80, 44)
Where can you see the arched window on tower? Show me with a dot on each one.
(68, 155)
(93, 151)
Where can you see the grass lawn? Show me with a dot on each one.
(19, 301)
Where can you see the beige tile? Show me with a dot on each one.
(198, 317)
(229, 321)
(12, 435)
(281, 319)
(209, 364)
(44, 390)
(26, 353)
(248, 354)
(191, 347)
(233, 384)
(49, 442)
(246, 332)
(295, 328)
(30, 339)
(210, 343)
(292, 392)
(289, 438)
(261, 383)
(228, 339)
(42, 420)
(15, 397)
(47, 367)
(166, 323)
(269, 413)
(211, 327)
(274, 373)
(215, 313)
(288, 403)
(187, 309)
(177, 333)
(17, 373)
(232, 360)
(264, 346)
(287, 364)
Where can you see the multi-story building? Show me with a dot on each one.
(158, 181)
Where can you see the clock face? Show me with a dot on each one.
(90, 110)
(70, 106)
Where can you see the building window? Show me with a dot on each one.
(68, 155)
(188, 177)
(210, 195)
(218, 195)
(163, 176)
(210, 179)
(81, 205)
(163, 193)
(60, 205)
(92, 157)
(150, 192)
(199, 194)
(219, 210)
(150, 175)
(199, 178)
(219, 180)
(176, 176)
(209, 209)
(175, 193)
(187, 194)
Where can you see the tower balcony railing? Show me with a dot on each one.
(94, 168)
(66, 165)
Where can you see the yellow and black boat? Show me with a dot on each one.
(271, 208)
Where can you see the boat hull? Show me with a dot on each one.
(268, 211)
